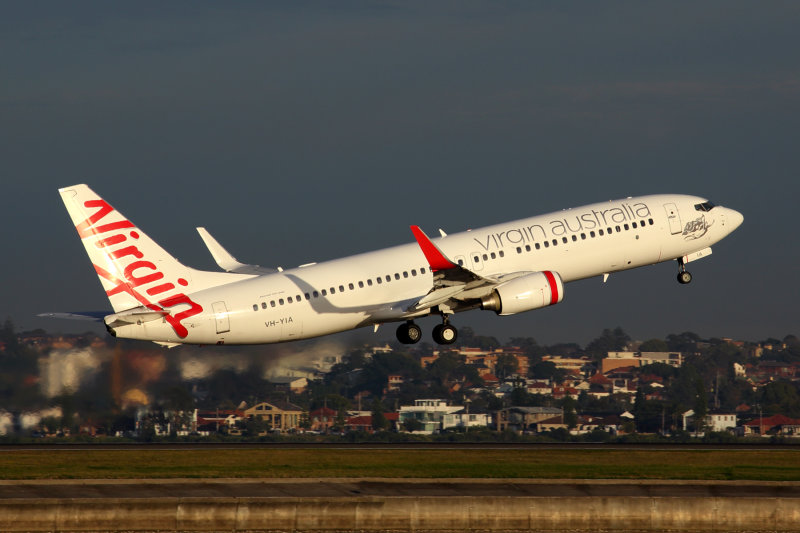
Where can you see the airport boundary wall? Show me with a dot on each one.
(402, 513)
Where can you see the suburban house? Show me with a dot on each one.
(524, 418)
(430, 413)
(278, 415)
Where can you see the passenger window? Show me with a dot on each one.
(538, 246)
(341, 288)
(650, 220)
(626, 227)
(324, 292)
(634, 225)
(289, 300)
(617, 228)
(388, 277)
(263, 305)
(555, 242)
(379, 280)
(280, 301)
(272, 303)
(351, 286)
(255, 307)
(308, 296)
(574, 238)
(528, 247)
(396, 275)
(502, 253)
(460, 263)
(333, 290)
(519, 250)
(591, 234)
(414, 272)
(608, 230)
(600, 232)
(405, 274)
(422, 270)
(485, 257)
(476, 258)
(316, 294)
(369, 282)
(360, 284)
(494, 256)
(547, 244)
(583, 236)
(564, 240)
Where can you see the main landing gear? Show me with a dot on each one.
(684, 277)
(410, 333)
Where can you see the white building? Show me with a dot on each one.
(648, 358)
(430, 413)
(713, 421)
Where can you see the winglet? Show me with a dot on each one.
(436, 259)
(225, 260)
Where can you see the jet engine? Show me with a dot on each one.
(531, 291)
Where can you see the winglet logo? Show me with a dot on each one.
(136, 276)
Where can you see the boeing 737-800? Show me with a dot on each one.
(506, 268)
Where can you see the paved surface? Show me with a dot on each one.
(344, 488)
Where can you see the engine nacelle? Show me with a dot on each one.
(531, 291)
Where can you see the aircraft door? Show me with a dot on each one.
(221, 317)
(674, 218)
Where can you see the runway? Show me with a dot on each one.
(418, 505)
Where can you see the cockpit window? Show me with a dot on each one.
(705, 206)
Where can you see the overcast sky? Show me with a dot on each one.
(305, 131)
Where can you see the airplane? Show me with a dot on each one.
(506, 268)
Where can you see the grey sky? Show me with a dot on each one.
(300, 132)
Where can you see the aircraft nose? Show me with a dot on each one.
(733, 219)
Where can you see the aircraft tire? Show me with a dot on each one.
(684, 277)
(445, 334)
(409, 333)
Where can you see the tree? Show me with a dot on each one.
(505, 366)
(412, 424)
(379, 421)
(685, 342)
(639, 409)
(570, 416)
(700, 406)
(654, 345)
(609, 341)
(547, 370)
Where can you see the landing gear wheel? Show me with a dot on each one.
(409, 333)
(684, 277)
(445, 334)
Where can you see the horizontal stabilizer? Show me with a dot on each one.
(137, 315)
(225, 260)
(89, 316)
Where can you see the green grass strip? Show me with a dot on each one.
(777, 465)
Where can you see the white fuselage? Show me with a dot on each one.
(380, 286)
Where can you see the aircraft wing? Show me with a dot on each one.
(226, 261)
(451, 281)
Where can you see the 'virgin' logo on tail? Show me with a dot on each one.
(134, 273)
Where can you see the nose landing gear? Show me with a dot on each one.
(684, 277)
